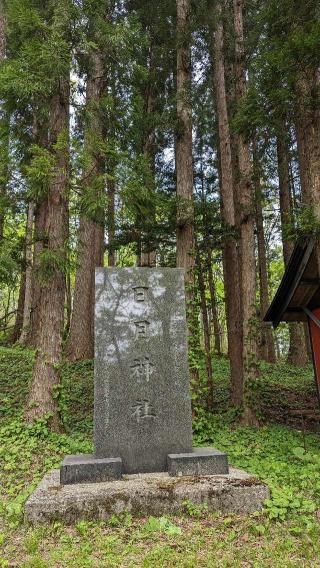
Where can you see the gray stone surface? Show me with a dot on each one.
(86, 468)
(142, 407)
(144, 494)
(201, 461)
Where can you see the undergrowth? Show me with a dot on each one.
(285, 534)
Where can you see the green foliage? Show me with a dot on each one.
(9, 267)
(279, 388)
(285, 503)
(39, 39)
(287, 533)
(307, 225)
(267, 452)
(23, 447)
(162, 525)
(39, 172)
(196, 511)
(51, 261)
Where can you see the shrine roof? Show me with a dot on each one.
(299, 287)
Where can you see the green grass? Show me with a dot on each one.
(285, 534)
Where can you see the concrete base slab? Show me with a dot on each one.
(201, 461)
(86, 468)
(143, 495)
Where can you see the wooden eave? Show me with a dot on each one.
(299, 287)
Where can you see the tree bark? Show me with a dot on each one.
(111, 222)
(36, 285)
(91, 233)
(4, 161)
(308, 88)
(206, 331)
(99, 245)
(184, 171)
(267, 350)
(2, 31)
(247, 225)
(14, 336)
(308, 143)
(42, 399)
(303, 159)
(40, 137)
(230, 253)
(80, 340)
(5, 128)
(68, 302)
(213, 301)
(184, 165)
(28, 277)
(147, 253)
(297, 354)
(284, 193)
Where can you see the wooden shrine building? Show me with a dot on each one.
(298, 298)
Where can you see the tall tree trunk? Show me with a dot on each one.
(147, 258)
(28, 276)
(184, 166)
(297, 355)
(68, 302)
(4, 130)
(4, 169)
(213, 301)
(40, 138)
(206, 330)
(99, 245)
(247, 226)
(284, 192)
(80, 340)
(2, 30)
(148, 254)
(230, 253)
(111, 222)
(42, 400)
(14, 336)
(308, 117)
(184, 170)
(68, 298)
(91, 233)
(308, 143)
(41, 211)
(208, 261)
(303, 159)
(307, 340)
(267, 350)
(267, 342)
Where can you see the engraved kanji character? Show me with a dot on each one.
(142, 410)
(140, 293)
(142, 369)
(142, 328)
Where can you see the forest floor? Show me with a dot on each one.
(286, 534)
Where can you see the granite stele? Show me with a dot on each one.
(143, 460)
(142, 409)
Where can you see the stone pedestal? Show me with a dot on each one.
(201, 461)
(86, 468)
(143, 495)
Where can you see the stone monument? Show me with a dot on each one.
(142, 408)
(143, 461)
